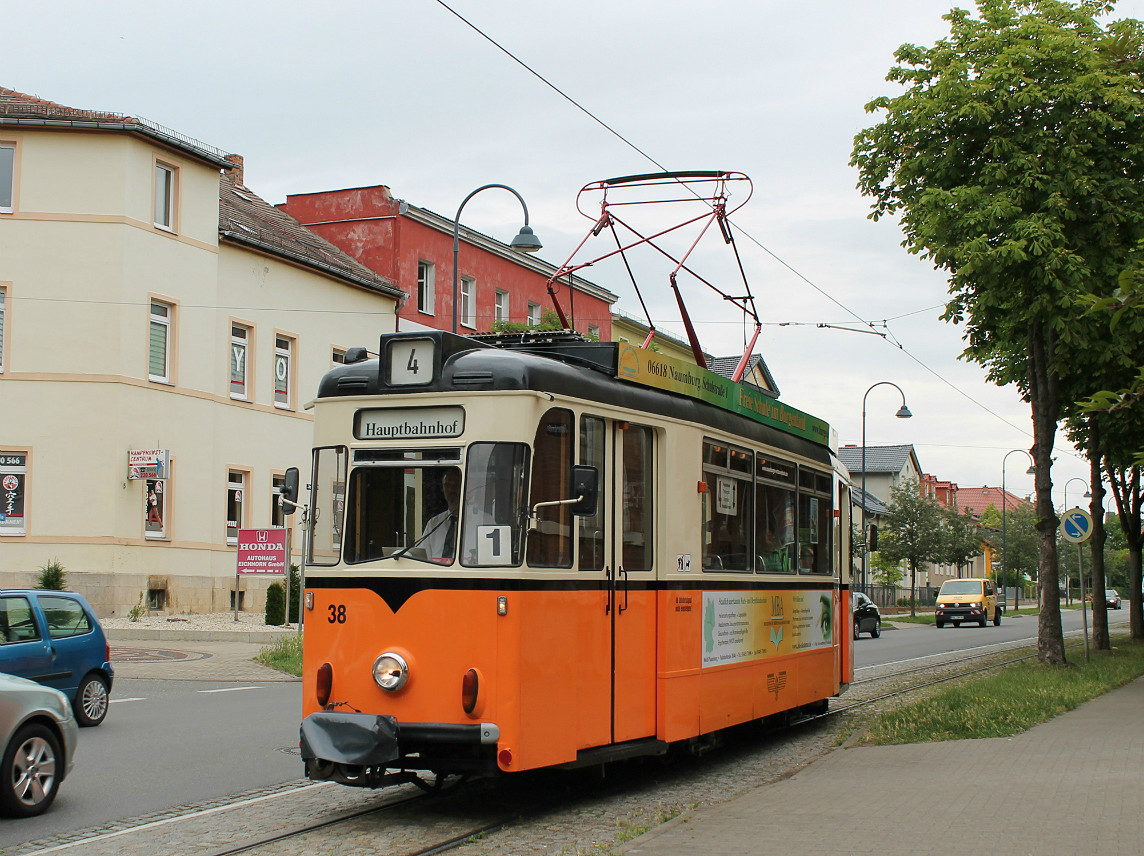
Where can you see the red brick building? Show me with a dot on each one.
(945, 492)
(413, 248)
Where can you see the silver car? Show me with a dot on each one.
(38, 732)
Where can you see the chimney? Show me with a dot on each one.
(236, 170)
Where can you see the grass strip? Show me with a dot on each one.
(1010, 701)
(285, 654)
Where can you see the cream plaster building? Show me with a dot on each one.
(150, 301)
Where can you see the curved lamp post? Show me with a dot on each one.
(903, 413)
(524, 242)
(1004, 505)
(1079, 568)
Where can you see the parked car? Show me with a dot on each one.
(867, 618)
(38, 735)
(1112, 598)
(53, 637)
(974, 599)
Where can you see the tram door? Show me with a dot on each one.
(622, 538)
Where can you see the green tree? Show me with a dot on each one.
(1015, 162)
(884, 571)
(1015, 544)
(962, 537)
(549, 320)
(913, 531)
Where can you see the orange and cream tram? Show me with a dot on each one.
(544, 551)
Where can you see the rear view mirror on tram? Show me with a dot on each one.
(586, 487)
(290, 491)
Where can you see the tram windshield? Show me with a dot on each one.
(416, 506)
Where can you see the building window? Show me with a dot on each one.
(500, 309)
(155, 508)
(594, 332)
(7, 176)
(425, 287)
(3, 315)
(277, 516)
(468, 301)
(239, 376)
(13, 484)
(159, 346)
(533, 314)
(283, 350)
(235, 504)
(165, 196)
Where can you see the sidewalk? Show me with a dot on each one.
(202, 649)
(1072, 785)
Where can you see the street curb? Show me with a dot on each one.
(255, 637)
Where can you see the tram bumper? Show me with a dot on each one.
(360, 739)
(357, 748)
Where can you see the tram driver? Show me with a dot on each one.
(440, 535)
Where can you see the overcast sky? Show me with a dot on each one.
(404, 93)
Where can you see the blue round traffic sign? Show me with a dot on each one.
(1076, 525)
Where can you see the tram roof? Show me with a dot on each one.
(609, 372)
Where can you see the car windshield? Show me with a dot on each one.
(960, 587)
(1111, 593)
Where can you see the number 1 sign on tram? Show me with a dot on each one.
(1076, 525)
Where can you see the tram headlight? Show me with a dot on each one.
(390, 671)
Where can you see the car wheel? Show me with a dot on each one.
(940, 624)
(91, 701)
(997, 618)
(982, 622)
(29, 772)
(857, 628)
(877, 631)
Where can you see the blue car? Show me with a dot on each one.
(53, 637)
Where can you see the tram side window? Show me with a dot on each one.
(493, 510)
(727, 507)
(775, 504)
(593, 440)
(816, 519)
(328, 502)
(639, 505)
(550, 544)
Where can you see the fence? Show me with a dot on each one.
(890, 596)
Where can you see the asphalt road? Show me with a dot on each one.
(914, 641)
(173, 743)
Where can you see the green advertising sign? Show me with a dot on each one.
(671, 375)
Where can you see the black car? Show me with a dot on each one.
(1112, 598)
(867, 619)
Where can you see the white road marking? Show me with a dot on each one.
(121, 700)
(230, 690)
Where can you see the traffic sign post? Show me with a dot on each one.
(1076, 526)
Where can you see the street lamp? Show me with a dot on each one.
(903, 413)
(1004, 505)
(1079, 569)
(524, 242)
